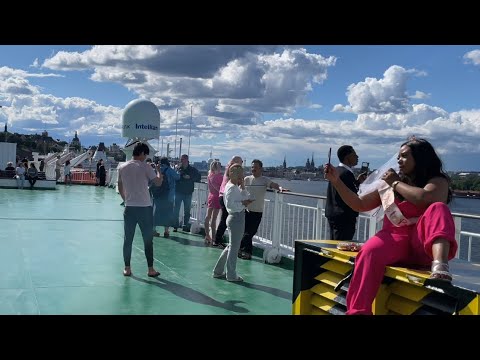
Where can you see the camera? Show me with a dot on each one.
(364, 168)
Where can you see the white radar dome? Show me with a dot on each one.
(141, 120)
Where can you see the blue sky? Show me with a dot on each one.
(256, 101)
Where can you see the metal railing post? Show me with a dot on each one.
(469, 256)
(458, 235)
(319, 219)
(277, 220)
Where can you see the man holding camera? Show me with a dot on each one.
(341, 218)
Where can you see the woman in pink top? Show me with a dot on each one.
(213, 203)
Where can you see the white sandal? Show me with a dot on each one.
(440, 271)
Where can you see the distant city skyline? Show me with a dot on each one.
(255, 101)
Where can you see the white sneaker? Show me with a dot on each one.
(237, 279)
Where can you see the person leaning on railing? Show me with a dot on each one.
(418, 228)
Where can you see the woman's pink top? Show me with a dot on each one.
(225, 180)
(214, 184)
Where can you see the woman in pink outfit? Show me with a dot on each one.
(419, 231)
(215, 178)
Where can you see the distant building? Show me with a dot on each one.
(75, 144)
(114, 148)
(116, 152)
(101, 147)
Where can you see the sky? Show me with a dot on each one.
(258, 101)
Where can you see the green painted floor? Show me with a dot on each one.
(61, 253)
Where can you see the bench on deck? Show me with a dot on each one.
(10, 174)
(322, 274)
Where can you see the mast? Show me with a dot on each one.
(158, 140)
(180, 151)
(176, 131)
(190, 132)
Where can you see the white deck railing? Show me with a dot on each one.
(284, 221)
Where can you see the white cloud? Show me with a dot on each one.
(472, 57)
(36, 111)
(420, 95)
(342, 108)
(382, 96)
(36, 63)
(233, 82)
(230, 90)
(376, 135)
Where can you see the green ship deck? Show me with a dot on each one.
(61, 253)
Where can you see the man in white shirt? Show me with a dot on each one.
(257, 185)
(133, 179)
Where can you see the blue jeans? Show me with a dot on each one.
(20, 181)
(187, 205)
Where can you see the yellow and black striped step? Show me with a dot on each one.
(321, 276)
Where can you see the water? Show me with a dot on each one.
(458, 205)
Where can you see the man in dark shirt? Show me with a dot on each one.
(183, 192)
(9, 170)
(341, 218)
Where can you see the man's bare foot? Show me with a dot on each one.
(127, 271)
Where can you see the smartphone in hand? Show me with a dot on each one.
(329, 157)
